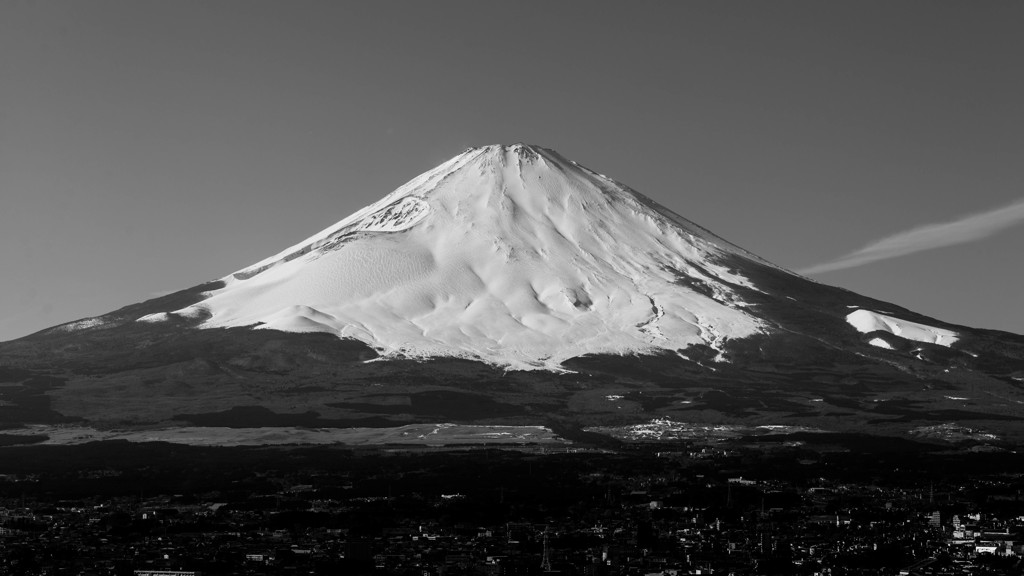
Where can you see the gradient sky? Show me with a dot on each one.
(149, 146)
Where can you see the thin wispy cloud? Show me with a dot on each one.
(929, 237)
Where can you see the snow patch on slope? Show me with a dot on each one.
(81, 325)
(866, 321)
(880, 343)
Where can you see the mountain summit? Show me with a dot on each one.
(512, 286)
(508, 254)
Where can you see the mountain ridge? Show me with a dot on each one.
(509, 254)
(725, 338)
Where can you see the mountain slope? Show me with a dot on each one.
(512, 286)
(512, 255)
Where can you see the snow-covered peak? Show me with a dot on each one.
(552, 177)
(510, 254)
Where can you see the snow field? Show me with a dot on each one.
(866, 321)
(508, 254)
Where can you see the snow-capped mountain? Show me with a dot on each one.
(508, 254)
(511, 285)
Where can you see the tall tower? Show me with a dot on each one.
(545, 563)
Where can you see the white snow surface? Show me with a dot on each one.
(508, 254)
(866, 321)
(880, 343)
(80, 324)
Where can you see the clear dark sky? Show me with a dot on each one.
(149, 146)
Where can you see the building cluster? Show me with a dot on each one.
(607, 519)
